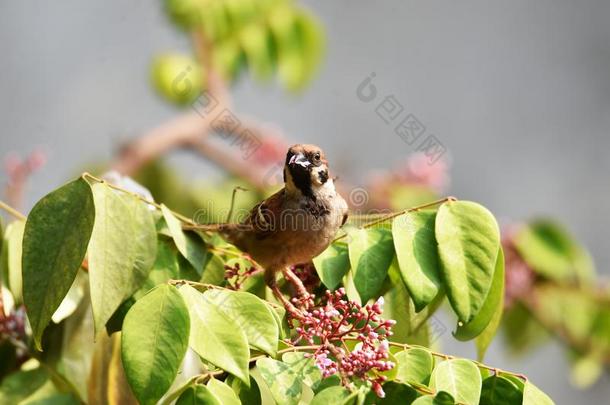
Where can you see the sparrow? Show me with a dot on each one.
(295, 224)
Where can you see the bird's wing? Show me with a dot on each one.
(265, 216)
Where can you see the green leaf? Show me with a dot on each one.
(214, 336)
(22, 384)
(332, 264)
(468, 242)
(55, 241)
(414, 366)
(283, 382)
(333, 395)
(494, 303)
(251, 313)
(198, 395)
(532, 395)
(441, 398)
(214, 270)
(122, 250)
(498, 390)
(304, 367)
(223, 392)
(178, 78)
(255, 42)
(484, 339)
(154, 341)
(189, 245)
(247, 395)
(550, 251)
(11, 259)
(398, 305)
(458, 377)
(370, 253)
(415, 246)
(395, 393)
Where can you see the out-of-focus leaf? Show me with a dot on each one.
(178, 78)
(332, 264)
(22, 384)
(11, 260)
(154, 341)
(255, 43)
(552, 252)
(415, 246)
(304, 367)
(458, 377)
(214, 336)
(370, 253)
(468, 243)
(55, 241)
(122, 250)
(586, 371)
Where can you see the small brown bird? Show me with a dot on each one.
(298, 222)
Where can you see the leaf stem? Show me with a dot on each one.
(89, 176)
(12, 211)
(396, 214)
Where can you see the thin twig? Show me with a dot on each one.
(12, 211)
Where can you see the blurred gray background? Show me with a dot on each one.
(518, 92)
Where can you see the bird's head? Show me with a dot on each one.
(306, 169)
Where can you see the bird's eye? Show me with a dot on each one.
(316, 156)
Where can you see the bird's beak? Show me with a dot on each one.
(299, 159)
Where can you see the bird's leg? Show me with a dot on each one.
(271, 282)
(302, 292)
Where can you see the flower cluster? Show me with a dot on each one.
(236, 277)
(352, 339)
(12, 326)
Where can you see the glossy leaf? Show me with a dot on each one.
(415, 246)
(283, 382)
(247, 395)
(414, 366)
(494, 303)
(533, 396)
(468, 242)
(370, 253)
(214, 336)
(304, 367)
(332, 264)
(252, 315)
(458, 377)
(498, 390)
(198, 395)
(55, 241)
(333, 395)
(223, 392)
(122, 250)
(154, 341)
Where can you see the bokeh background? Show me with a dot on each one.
(518, 92)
